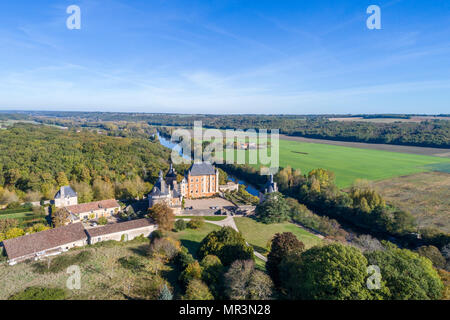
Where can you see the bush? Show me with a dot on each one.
(180, 225)
(131, 263)
(197, 290)
(39, 293)
(196, 223)
(165, 248)
(192, 271)
(102, 221)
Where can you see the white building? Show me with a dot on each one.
(65, 197)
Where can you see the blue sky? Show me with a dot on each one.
(246, 56)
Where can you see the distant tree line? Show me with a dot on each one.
(429, 133)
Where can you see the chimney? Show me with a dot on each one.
(62, 192)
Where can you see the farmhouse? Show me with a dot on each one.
(66, 196)
(45, 243)
(55, 241)
(122, 231)
(93, 210)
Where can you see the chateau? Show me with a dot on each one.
(201, 180)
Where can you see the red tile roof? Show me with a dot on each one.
(93, 206)
(44, 240)
(119, 227)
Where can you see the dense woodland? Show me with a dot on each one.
(36, 160)
(430, 133)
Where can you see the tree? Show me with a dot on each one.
(192, 271)
(165, 293)
(213, 270)
(7, 197)
(432, 253)
(33, 196)
(227, 244)
(102, 221)
(282, 245)
(84, 192)
(103, 190)
(274, 209)
(180, 225)
(197, 290)
(408, 275)
(196, 223)
(8, 223)
(163, 216)
(331, 272)
(243, 282)
(14, 233)
(60, 217)
(61, 179)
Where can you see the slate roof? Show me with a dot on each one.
(68, 192)
(119, 227)
(92, 206)
(202, 169)
(44, 240)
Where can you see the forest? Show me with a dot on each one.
(428, 133)
(36, 160)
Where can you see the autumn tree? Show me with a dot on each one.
(197, 290)
(282, 245)
(61, 179)
(84, 192)
(103, 190)
(60, 217)
(163, 216)
(243, 282)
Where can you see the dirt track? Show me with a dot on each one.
(445, 153)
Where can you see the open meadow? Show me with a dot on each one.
(425, 195)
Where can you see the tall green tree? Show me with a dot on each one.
(274, 209)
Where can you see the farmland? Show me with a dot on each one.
(350, 164)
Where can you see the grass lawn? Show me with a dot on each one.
(191, 238)
(350, 164)
(207, 218)
(258, 234)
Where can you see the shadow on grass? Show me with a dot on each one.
(141, 250)
(192, 246)
(172, 277)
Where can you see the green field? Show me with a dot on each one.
(350, 164)
(258, 234)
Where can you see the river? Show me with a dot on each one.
(174, 146)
